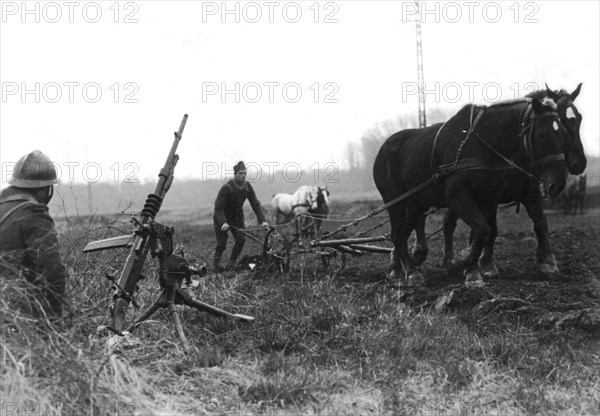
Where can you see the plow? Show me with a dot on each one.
(279, 247)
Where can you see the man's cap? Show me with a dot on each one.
(239, 166)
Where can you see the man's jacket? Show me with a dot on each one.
(29, 245)
(229, 205)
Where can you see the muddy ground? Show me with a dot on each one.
(521, 292)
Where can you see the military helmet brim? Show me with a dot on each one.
(29, 183)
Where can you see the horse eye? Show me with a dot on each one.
(555, 125)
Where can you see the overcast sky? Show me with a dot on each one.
(101, 86)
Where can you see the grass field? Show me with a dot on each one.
(325, 341)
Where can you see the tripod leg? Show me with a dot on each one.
(178, 327)
(147, 313)
(189, 301)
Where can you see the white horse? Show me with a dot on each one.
(309, 205)
(286, 207)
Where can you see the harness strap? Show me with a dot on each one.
(435, 140)
(507, 160)
(27, 199)
(300, 205)
(19, 197)
(552, 158)
(405, 195)
(469, 133)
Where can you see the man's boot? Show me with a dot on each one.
(235, 252)
(216, 261)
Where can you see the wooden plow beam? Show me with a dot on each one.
(348, 241)
(354, 246)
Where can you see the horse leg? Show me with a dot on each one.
(419, 253)
(450, 262)
(544, 254)
(397, 214)
(466, 207)
(297, 225)
(413, 213)
(487, 265)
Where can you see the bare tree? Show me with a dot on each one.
(351, 154)
(375, 135)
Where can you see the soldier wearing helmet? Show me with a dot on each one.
(28, 239)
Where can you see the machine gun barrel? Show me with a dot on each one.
(165, 177)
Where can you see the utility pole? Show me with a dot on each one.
(420, 76)
(90, 198)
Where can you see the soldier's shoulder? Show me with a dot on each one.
(37, 213)
(225, 186)
(36, 208)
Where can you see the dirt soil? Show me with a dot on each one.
(570, 299)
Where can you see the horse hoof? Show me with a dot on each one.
(489, 270)
(549, 268)
(473, 278)
(415, 279)
(452, 266)
(419, 256)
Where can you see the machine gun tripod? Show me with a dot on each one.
(172, 273)
(151, 237)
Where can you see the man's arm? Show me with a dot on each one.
(220, 204)
(42, 244)
(255, 204)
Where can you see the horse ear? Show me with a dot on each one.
(575, 93)
(552, 94)
(538, 107)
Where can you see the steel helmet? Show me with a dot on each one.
(34, 170)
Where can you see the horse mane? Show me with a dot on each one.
(541, 94)
(507, 103)
(503, 103)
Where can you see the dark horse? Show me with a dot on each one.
(322, 210)
(524, 190)
(318, 214)
(465, 165)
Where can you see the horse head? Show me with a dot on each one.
(571, 119)
(543, 141)
(322, 198)
(310, 197)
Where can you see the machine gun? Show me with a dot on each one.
(151, 237)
